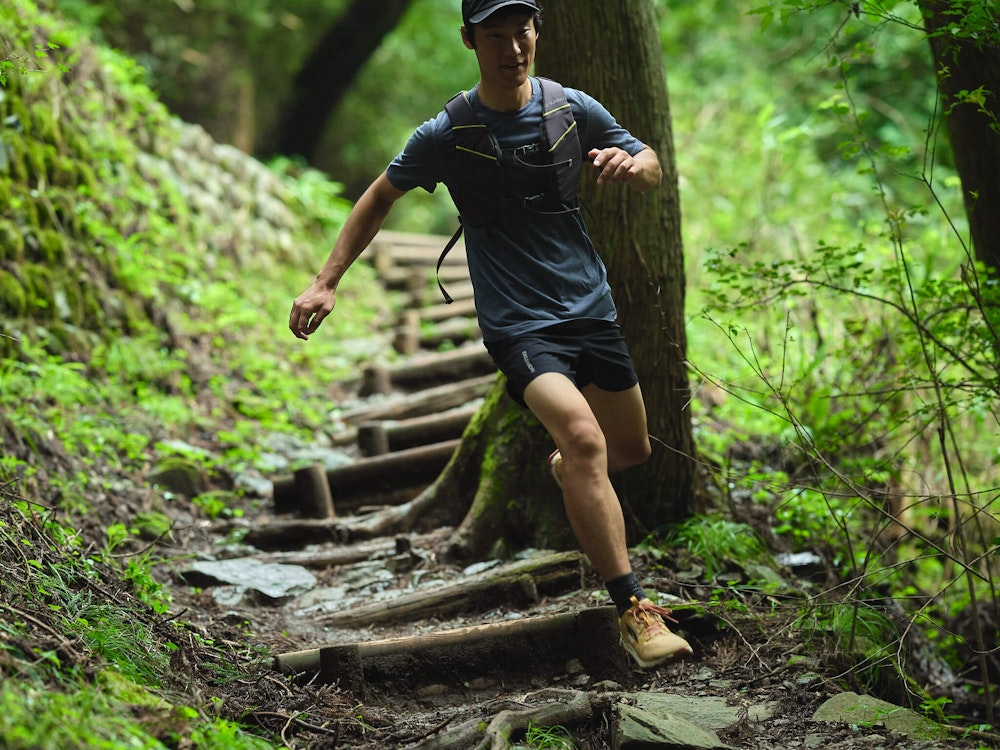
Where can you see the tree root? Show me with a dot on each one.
(572, 707)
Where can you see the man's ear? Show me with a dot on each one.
(467, 39)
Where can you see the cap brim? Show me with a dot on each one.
(483, 15)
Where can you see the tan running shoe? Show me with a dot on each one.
(555, 466)
(647, 638)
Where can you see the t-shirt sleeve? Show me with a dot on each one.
(419, 163)
(598, 127)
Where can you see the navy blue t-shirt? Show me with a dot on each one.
(529, 270)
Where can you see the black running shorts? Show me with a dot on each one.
(586, 351)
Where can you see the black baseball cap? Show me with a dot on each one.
(477, 11)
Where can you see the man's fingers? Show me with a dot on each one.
(615, 164)
(306, 316)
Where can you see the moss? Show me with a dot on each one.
(38, 286)
(40, 156)
(69, 300)
(94, 314)
(65, 172)
(13, 300)
(11, 241)
(52, 246)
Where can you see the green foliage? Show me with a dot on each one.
(547, 738)
(107, 679)
(860, 631)
(862, 335)
(717, 542)
(83, 714)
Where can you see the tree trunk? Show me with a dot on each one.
(638, 235)
(328, 74)
(967, 63)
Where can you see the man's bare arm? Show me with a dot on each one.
(366, 218)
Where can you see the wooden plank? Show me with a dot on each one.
(455, 330)
(399, 469)
(459, 291)
(420, 371)
(443, 311)
(531, 647)
(373, 480)
(393, 237)
(399, 278)
(428, 401)
(332, 557)
(391, 435)
(516, 584)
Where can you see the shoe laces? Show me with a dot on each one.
(651, 616)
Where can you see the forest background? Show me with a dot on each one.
(837, 322)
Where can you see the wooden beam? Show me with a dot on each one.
(428, 401)
(375, 438)
(517, 584)
(526, 648)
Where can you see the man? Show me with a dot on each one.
(542, 295)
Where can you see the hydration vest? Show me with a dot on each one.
(475, 171)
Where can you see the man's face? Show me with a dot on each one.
(505, 48)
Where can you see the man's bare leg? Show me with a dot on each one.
(622, 417)
(592, 505)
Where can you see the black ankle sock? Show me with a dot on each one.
(622, 589)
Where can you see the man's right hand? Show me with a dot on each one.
(310, 309)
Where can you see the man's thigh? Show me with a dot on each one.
(622, 417)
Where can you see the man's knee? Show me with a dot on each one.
(633, 453)
(583, 440)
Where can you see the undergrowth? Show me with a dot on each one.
(86, 657)
(853, 346)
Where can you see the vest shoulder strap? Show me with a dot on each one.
(561, 138)
(471, 134)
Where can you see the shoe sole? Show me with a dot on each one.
(552, 468)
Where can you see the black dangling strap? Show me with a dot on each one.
(447, 248)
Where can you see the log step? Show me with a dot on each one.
(423, 370)
(377, 438)
(367, 480)
(404, 406)
(517, 584)
(534, 647)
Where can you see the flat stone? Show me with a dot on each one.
(273, 580)
(637, 729)
(864, 710)
(710, 712)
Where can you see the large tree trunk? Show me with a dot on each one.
(612, 51)
(328, 73)
(968, 63)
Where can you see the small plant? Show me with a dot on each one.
(716, 541)
(548, 738)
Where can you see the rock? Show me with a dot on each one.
(635, 729)
(179, 476)
(864, 710)
(710, 712)
(272, 580)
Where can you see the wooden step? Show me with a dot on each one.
(531, 648)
